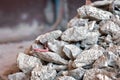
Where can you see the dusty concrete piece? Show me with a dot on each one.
(109, 27)
(93, 13)
(39, 46)
(26, 63)
(98, 74)
(101, 3)
(71, 51)
(63, 73)
(91, 38)
(49, 36)
(18, 76)
(74, 34)
(52, 57)
(43, 73)
(65, 78)
(92, 26)
(77, 73)
(57, 46)
(115, 49)
(102, 61)
(79, 22)
(87, 57)
(57, 67)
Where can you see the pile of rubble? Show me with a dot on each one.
(88, 50)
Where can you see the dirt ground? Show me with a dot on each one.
(8, 54)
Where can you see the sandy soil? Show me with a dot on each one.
(8, 54)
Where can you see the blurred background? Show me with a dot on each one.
(21, 21)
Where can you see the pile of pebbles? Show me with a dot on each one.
(88, 50)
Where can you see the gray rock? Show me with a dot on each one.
(87, 57)
(52, 57)
(65, 78)
(99, 74)
(74, 34)
(49, 36)
(93, 13)
(57, 67)
(18, 76)
(91, 39)
(26, 63)
(43, 73)
(109, 27)
(77, 73)
(79, 22)
(57, 46)
(71, 51)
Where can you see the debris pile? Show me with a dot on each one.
(88, 50)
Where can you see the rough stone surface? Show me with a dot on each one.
(98, 74)
(79, 22)
(71, 51)
(43, 73)
(87, 57)
(93, 12)
(74, 34)
(26, 63)
(65, 78)
(57, 46)
(52, 57)
(49, 36)
(77, 73)
(18, 76)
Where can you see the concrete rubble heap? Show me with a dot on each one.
(89, 49)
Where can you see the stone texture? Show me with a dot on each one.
(65, 78)
(43, 73)
(74, 34)
(93, 13)
(77, 73)
(49, 36)
(87, 57)
(57, 46)
(71, 51)
(26, 63)
(18, 76)
(79, 22)
(98, 74)
(52, 57)
(109, 27)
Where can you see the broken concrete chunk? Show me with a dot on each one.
(71, 51)
(99, 74)
(87, 11)
(91, 39)
(101, 3)
(77, 73)
(52, 57)
(102, 61)
(87, 57)
(18, 76)
(49, 36)
(65, 78)
(26, 63)
(57, 67)
(109, 27)
(79, 22)
(62, 73)
(74, 34)
(57, 46)
(43, 73)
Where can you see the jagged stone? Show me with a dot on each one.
(52, 57)
(74, 34)
(71, 51)
(18, 76)
(26, 63)
(57, 46)
(49, 36)
(43, 73)
(87, 11)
